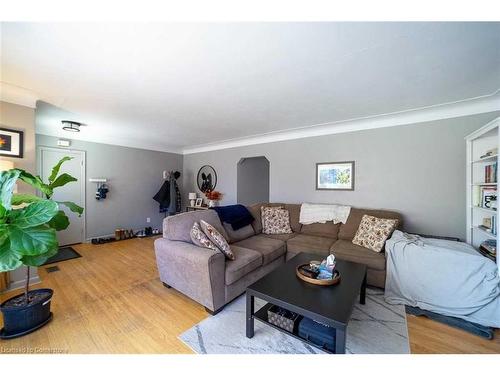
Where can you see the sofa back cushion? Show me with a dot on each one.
(293, 210)
(348, 230)
(240, 234)
(178, 227)
(327, 229)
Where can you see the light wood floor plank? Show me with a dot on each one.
(112, 301)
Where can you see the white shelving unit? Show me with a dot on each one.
(478, 143)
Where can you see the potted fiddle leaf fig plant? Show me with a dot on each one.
(28, 225)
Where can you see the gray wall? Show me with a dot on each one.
(418, 170)
(134, 176)
(13, 116)
(253, 180)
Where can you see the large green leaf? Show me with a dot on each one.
(38, 260)
(36, 182)
(62, 180)
(56, 168)
(32, 241)
(35, 214)
(7, 181)
(9, 260)
(18, 199)
(73, 207)
(59, 222)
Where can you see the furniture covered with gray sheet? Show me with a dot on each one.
(445, 277)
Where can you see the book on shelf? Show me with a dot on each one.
(484, 197)
(488, 197)
(486, 254)
(490, 246)
(490, 173)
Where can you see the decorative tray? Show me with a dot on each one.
(301, 275)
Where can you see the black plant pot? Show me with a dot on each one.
(21, 320)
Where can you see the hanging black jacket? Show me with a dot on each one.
(170, 203)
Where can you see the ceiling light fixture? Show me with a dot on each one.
(71, 126)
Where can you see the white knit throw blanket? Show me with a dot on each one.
(321, 213)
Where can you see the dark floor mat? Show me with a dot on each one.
(65, 253)
(474, 328)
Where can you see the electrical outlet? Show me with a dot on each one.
(148, 220)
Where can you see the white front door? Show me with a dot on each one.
(73, 192)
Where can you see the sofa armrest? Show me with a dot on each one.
(194, 271)
(438, 237)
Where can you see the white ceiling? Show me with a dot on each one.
(171, 86)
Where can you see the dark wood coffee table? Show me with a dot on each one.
(330, 305)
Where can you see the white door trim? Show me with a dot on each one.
(83, 185)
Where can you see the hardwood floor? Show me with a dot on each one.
(112, 301)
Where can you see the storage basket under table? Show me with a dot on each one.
(284, 319)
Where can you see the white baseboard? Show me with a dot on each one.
(88, 240)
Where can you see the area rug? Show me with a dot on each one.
(64, 253)
(375, 328)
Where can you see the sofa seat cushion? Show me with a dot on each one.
(246, 261)
(310, 244)
(346, 250)
(281, 237)
(269, 248)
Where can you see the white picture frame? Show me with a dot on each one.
(335, 175)
(199, 202)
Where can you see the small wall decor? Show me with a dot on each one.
(206, 179)
(335, 176)
(11, 143)
(102, 189)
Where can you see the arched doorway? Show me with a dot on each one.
(253, 180)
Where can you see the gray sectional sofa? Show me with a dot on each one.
(207, 277)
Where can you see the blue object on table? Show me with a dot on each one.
(324, 275)
(317, 333)
(236, 215)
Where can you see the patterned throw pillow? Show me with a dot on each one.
(200, 239)
(275, 220)
(373, 232)
(217, 238)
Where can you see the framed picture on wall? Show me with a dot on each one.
(11, 143)
(335, 175)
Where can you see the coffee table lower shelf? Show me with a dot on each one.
(261, 316)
